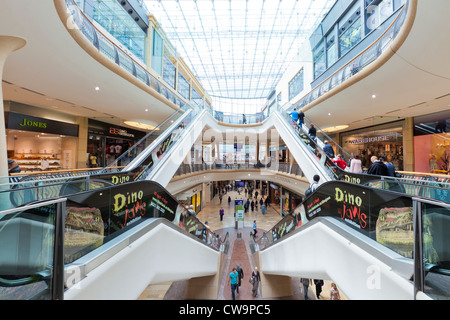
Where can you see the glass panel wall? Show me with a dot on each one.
(351, 36)
(183, 86)
(157, 52)
(432, 143)
(436, 252)
(113, 17)
(169, 72)
(296, 85)
(196, 99)
(319, 60)
(332, 52)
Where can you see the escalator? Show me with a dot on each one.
(155, 157)
(313, 160)
(107, 243)
(374, 244)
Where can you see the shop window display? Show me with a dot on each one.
(386, 142)
(37, 152)
(432, 143)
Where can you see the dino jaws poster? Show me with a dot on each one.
(385, 216)
(346, 201)
(126, 204)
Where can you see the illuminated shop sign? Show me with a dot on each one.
(24, 122)
(121, 132)
(369, 139)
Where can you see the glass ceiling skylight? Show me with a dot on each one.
(238, 49)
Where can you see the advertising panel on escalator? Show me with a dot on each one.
(93, 218)
(386, 217)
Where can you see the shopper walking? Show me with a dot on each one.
(255, 280)
(240, 277)
(334, 292)
(319, 284)
(305, 282)
(232, 281)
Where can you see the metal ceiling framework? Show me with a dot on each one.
(238, 49)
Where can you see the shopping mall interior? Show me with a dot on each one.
(149, 148)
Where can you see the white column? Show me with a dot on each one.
(7, 45)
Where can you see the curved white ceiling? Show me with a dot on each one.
(53, 71)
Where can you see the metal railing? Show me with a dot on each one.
(32, 254)
(358, 63)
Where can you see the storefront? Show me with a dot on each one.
(106, 142)
(192, 196)
(39, 144)
(384, 140)
(432, 143)
(289, 201)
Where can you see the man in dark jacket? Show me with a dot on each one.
(378, 167)
(328, 149)
(312, 132)
(240, 277)
(301, 117)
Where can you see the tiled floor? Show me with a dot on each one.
(239, 253)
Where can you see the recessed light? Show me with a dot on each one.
(97, 88)
(146, 110)
(374, 96)
(329, 114)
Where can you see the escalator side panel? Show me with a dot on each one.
(161, 255)
(321, 251)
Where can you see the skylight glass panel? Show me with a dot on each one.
(238, 49)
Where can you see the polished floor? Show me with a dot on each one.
(239, 253)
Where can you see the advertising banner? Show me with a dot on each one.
(239, 210)
(384, 216)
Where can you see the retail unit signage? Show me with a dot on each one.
(24, 122)
(108, 130)
(369, 139)
(120, 132)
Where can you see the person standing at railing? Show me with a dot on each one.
(244, 120)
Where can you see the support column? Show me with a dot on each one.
(83, 136)
(408, 145)
(7, 45)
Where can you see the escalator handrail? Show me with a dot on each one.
(362, 175)
(290, 214)
(155, 144)
(186, 112)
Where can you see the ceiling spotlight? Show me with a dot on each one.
(374, 96)
(329, 113)
(146, 110)
(97, 88)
